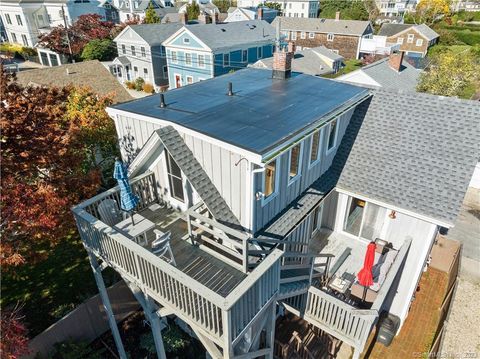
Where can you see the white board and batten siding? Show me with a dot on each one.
(219, 163)
(265, 211)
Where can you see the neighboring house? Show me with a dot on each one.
(88, 73)
(111, 10)
(390, 73)
(25, 20)
(316, 61)
(202, 51)
(462, 5)
(141, 53)
(341, 36)
(290, 8)
(206, 7)
(377, 45)
(136, 9)
(395, 8)
(251, 13)
(414, 40)
(270, 192)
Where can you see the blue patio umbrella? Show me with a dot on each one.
(128, 200)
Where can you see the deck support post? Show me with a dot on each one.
(270, 330)
(97, 272)
(151, 313)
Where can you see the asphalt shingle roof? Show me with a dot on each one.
(393, 29)
(155, 34)
(343, 27)
(88, 73)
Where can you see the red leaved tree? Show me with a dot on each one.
(13, 337)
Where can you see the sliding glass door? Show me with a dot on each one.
(364, 219)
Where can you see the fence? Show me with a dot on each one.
(86, 322)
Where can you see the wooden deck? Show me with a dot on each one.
(196, 263)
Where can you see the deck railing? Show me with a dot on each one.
(222, 319)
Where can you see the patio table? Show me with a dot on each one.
(138, 229)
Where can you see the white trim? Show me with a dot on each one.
(414, 29)
(395, 208)
(189, 77)
(198, 61)
(178, 33)
(274, 194)
(300, 159)
(335, 140)
(319, 151)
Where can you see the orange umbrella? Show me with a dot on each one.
(365, 276)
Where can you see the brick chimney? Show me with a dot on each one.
(395, 60)
(204, 19)
(184, 18)
(259, 13)
(282, 62)
(215, 18)
(337, 16)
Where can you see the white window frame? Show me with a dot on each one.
(245, 58)
(198, 59)
(400, 40)
(335, 139)
(189, 77)
(294, 35)
(133, 50)
(419, 42)
(330, 36)
(143, 52)
(311, 35)
(319, 151)
(174, 57)
(24, 40)
(300, 159)
(303, 35)
(188, 62)
(225, 64)
(259, 52)
(19, 19)
(410, 38)
(274, 194)
(186, 40)
(8, 19)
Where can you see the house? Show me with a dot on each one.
(141, 53)
(463, 5)
(268, 185)
(342, 36)
(206, 7)
(251, 13)
(390, 73)
(202, 51)
(25, 20)
(88, 73)
(316, 61)
(395, 8)
(135, 9)
(414, 40)
(290, 8)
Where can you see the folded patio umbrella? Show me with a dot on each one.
(365, 275)
(128, 200)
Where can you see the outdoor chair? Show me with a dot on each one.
(109, 212)
(161, 246)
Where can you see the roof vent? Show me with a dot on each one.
(230, 89)
(162, 101)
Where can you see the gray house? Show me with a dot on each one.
(267, 187)
(141, 54)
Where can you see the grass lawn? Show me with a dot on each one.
(51, 288)
(350, 65)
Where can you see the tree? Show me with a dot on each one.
(450, 73)
(151, 16)
(428, 11)
(223, 5)
(88, 27)
(193, 10)
(102, 50)
(273, 5)
(49, 162)
(13, 337)
(349, 10)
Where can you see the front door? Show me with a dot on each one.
(178, 81)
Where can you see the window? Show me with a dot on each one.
(24, 40)
(53, 60)
(294, 162)
(142, 50)
(419, 42)
(226, 60)
(174, 178)
(189, 80)
(410, 38)
(188, 59)
(19, 20)
(201, 60)
(124, 50)
(244, 55)
(353, 218)
(40, 18)
(133, 50)
(303, 6)
(317, 218)
(315, 147)
(294, 35)
(270, 179)
(259, 52)
(14, 37)
(330, 37)
(311, 35)
(332, 135)
(49, 18)
(174, 56)
(135, 70)
(8, 19)
(400, 40)
(365, 219)
(165, 72)
(290, 5)
(303, 35)
(145, 73)
(186, 40)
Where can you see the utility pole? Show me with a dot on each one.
(68, 37)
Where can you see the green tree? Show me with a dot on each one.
(151, 16)
(223, 5)
(273, 5)
(450, 74)
(102, 50)
(193, 10)
(349, 10)
(429, 11)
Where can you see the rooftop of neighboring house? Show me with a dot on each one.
(394, 29)
(251, 12)
(219, 36)
(139, 5)
(386, 76)
(89, 73)
(315, 61)
(277, 109)
(177, 18)
(153, 34)
(340, 27)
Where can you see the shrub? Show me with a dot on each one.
(148, 88)
(139, 84)
(130, 85)
(15, 50)
(74, 350)
(102, 50)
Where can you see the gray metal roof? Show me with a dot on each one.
(218, 36)
(343, 27)
(155, 34)
(263, 112)
(416, 152)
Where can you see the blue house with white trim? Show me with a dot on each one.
(202, 51)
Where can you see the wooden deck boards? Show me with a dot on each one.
(196, 263)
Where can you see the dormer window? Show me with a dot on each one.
(330, 37)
